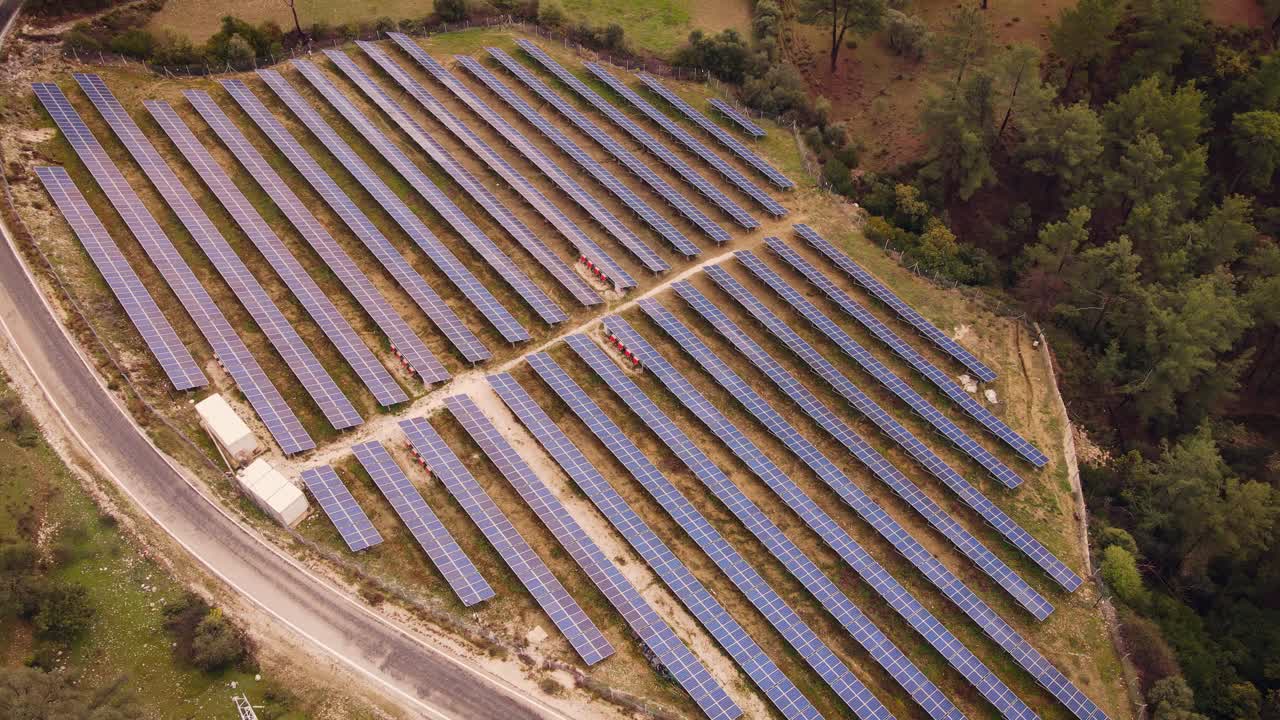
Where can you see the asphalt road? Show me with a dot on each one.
(422, 678)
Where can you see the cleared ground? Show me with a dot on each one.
(1073, 637)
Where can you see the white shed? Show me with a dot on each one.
(277, 497)
(226, 428)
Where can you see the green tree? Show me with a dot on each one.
(1082, 33)
(963, 41)
(216, 643)
(1226, 234)
(1172, 699)
(1059, 241)
(1120, 573)
(1064, 143)
(451, 10)
(1020, 92)
(907, 34)
(64, 613)
(1255, 136)
(28, 694)
(861, 16)
(1165, 29)
(1104, 279)
(1243, 701)
(959, 132)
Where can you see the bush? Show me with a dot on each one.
(550, 15)
(780, 90)
(175, 50)
(216, 644)
(137, 44)
(724, 55)
(384, 25)
(835, 175)
(64, 614)
(451, 10)
(1117, 537)
(1120, 573)
(907, 34)
(767, 21)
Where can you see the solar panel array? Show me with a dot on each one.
(730, 173)
(174, 358)
(619, 277)
(619, 153)
(418, 180)
(422, 293)
(651, 217)
(402, 338)
(660, 151)
(878, 370)
(578, 287)
(337, 409)
(738, 118)
(724, 138)
(968, 545)
(888, 297)
(546, 165)
(991, 623)
(891, 427)
(434, 538)
(657, 635)
(936, 466)
(881, 648)
(940, 379)
(317, 305)
(227, 346)
(336, 501)
(550, 595)
(767, 676)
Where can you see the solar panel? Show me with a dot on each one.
(878, 370)
(657, 635)
(436, 541)
(991, 623)
(585, 245)
(426, 298)
(337, 409)
(738, 118)
(832, 475)
(888, 297)
(309, 295)
(174, 358)
(730, 173)
(832, 598)
(651, 217)
(336, 501)
(230, 350)
(762, 671)
(939, 379)
(619, 153)
(546, 165)
(550, 595)
(657, 149)
(403, 340)
(547, 309)
(578, 287)
(423, 295)
(724, 138)
(937, 467)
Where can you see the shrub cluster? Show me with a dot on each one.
(203, 637)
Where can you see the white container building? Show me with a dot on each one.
(277, 497)
(233, 436)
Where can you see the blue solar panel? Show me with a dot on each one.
(550, 595)
(546, 165)
(651, 217)
(792, 557)
(991, 623)
(558, 269)
(227, 346)
(585, 245)
(426, 298)
(724, 138)
(738, 118)
(336, 501)
(878, 370)
(174, 358)
(771, 206)
(657, 149)
(339, 411)
(753, 661)
(1019, 537)
(317, 305)
(418, 180)
(402, 338)
(619, 153)
(434, 538)
(656, 634)
(940, 379)
(888, 297)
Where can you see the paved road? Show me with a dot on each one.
(420, 677)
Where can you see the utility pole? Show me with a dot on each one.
(244, 707)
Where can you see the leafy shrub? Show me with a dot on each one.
(384, 25)
(780, 90)
(451, 10)
(65, 613)
(216, 644)
(1120, 573)
(136, 43)
(907, 34)
(835, 175)
(724, 55)
(550, 15)
(1118, 537)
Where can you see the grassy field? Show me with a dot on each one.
(657, 26)
(1073, 638)
(127, 589)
